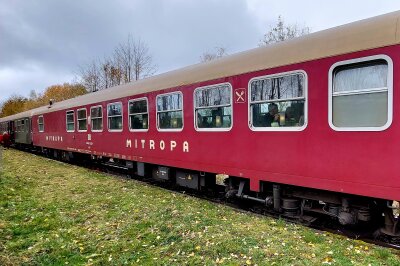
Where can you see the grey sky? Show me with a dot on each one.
(43, 42)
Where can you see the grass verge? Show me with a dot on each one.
(52, 213)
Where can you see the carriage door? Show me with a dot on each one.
(11, 130)
(27, 131)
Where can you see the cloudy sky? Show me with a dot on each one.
(43, 42)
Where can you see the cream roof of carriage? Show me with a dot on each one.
(366, 34)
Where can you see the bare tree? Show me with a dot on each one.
(130, 61)
(111, 73)
(134, 59)
(91, 76)
(281, 32)
(208, 56)
(106, 77)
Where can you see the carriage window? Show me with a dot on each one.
(41, 123)
(169, 111)
(278, 102)
(82, 120)
(70, 121)
(360, 95)
(138, 115)
(96, 116)
(213, 107)
(22, 124)
(114, 114)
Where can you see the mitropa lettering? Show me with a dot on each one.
(162, 145)
(54, 138)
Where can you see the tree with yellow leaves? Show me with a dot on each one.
(16, 104)
(62, 92)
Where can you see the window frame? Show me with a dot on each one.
(102, 119)
(40, 116)
(220, 129)
(275, 75)
(80, 119)
(147, 112)
(360, 60)
(183, 114)
(66, 120)
(122, 116)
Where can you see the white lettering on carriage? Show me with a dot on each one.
(160, 145)
(185, 146)
(152, 145)
(54, 138)
(128, 143)
(143, 142)
(173, 145)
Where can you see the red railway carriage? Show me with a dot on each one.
(307, 125)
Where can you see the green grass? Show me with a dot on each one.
(57, 214)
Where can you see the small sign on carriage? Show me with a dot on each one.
(240, 95)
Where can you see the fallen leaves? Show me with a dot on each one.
(327, 260)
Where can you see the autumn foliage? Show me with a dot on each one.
(16, 104)
(13, 105)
